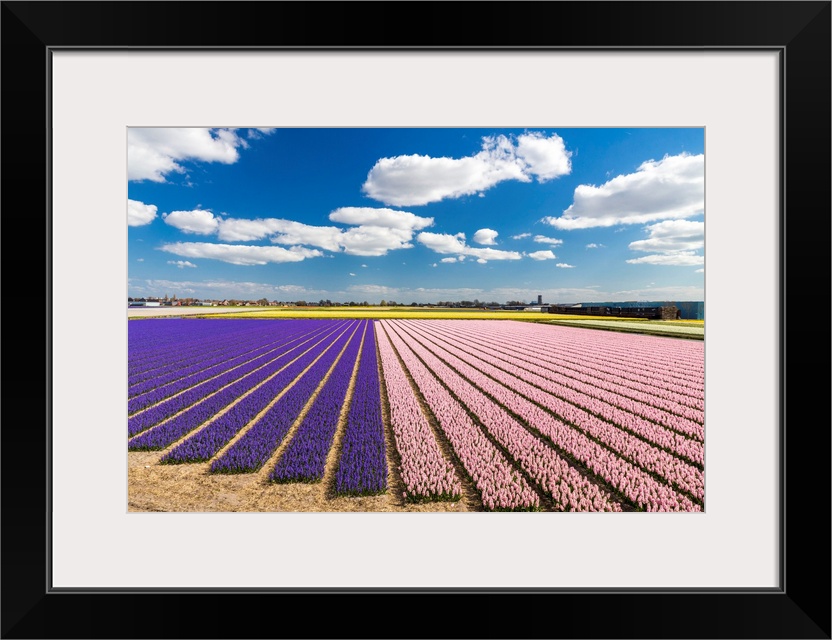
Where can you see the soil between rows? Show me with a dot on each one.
(190, 488)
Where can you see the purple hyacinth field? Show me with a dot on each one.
(419, 415)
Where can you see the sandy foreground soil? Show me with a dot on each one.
(190, 488)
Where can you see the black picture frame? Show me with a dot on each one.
(799, 608)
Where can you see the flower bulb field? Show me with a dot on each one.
(423, 415)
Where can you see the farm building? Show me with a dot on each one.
(653, 313)
(688, 310)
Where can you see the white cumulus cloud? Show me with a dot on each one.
(240, 254)
(547, 240)
(393, 232)
(546, 158)
(390, 218)
(139, 213)
(421, 179)
(374, 241)
(200, 221)
(520, 236)
(485, 236)
(671, 243)
(542, 255)
(563, 265)
(153, 153)
(447, 243)
(670, 188)
(377, 232)
(280, 231)
(182, 263)
(671, 236)
(678, 259)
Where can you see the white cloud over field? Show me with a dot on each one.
(139, 213)
(445, 243)
(542, 255)
(154, 153)
(240, 254)
(671, 243)
(413, 180)
(486, 236)
(547, 240)
(198, 221)
(377, 232)
(670, 188)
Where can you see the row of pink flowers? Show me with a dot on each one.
(667, 407)
(581, 409)
(568, 488)
(680, 356)
(629, 468)
(652, 359)
(426, 474)
(685, 382)
(499, 485)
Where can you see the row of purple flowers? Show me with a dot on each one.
(362, 466)
(201, 366)
(203, 371)
(254, 448)
(184, 412)
(180, 342)
(304, 459)
(205, 444)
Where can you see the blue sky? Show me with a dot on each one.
(417, 214)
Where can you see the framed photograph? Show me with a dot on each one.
(457, 146)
